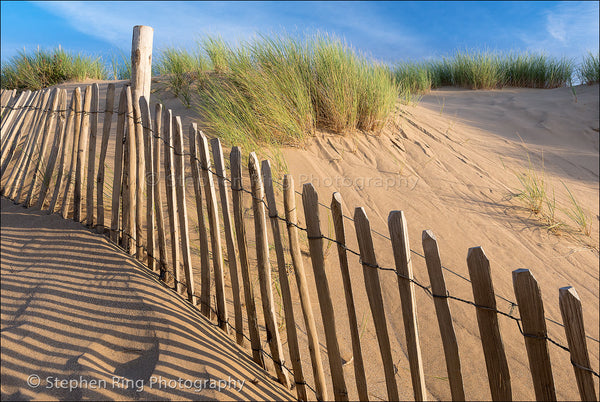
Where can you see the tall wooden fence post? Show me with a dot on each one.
(94, 110)
(158, 204)
(487, 319)
(149, 179)
(141, 62)
(84, 133)
(167, 129)
(118, 166)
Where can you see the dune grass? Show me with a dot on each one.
(43, 68)
(589, 70)
(279, 90)
(485, 70)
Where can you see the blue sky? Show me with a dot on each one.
(388, 31)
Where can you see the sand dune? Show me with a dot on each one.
(449, 163)
(76, 308)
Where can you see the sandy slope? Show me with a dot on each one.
(75, 307)
(449, 164)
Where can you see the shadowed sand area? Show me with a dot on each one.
(75, 307)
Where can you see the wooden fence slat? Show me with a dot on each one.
(58, 137)
(25, 168)
(373, 288)
(118, 166)
(340, 237)
(235, 159)
(12, 109)
(167, 129)
(43, 148)
(182, 207)
(91, 159)
(401, 249)
(572, 316)
(19, 157)
(140, 183)
(13, 115)
(289, 201)
(531, 311)
(442, 310)
(16, 132)
(231, 249)
(130, 181)
(158, 204)
(149, 178)
(106, 126)
(264, 269)
(84, 134)
(487, 319)
(286, 295)
(77, 108)
(310, 201)
(65, 152)
(215, 232)
(205, 287)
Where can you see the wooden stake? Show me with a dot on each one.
(140, 184)
(264, 269)
(493, 348)
(289, 201)
(141, 62)
(84, 134)
(442, 310)
(235, 159)
(43, 149)
(58, 138)
(204, 251)
(340, 237)
(171, 200)
(106, 125)
(373, 287)
(149, 179)
(310, 201)
(401, 248)
(16, 132)
(66, 149)
(158, 204)
(118, 177)
(215, 232)
(531, 311)
(129, 180)
(94, 110)
(572, 316)
(231, 249)
(286, 295)
(182, 208)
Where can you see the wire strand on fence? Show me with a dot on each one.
(427, 289)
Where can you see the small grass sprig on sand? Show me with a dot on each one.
(533, 191)
(577, 214)
(183, 69)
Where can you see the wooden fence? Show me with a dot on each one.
(54, 156)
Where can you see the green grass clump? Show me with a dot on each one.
(279, 90)
(120, 66)
(589, 71)
(479, 70)
(535, 70)
(413, 78)
(43, 68)
(182, 68)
